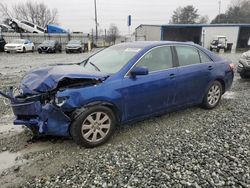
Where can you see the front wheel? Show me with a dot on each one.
(213, 95)
(93, 127)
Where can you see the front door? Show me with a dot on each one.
(152, 93)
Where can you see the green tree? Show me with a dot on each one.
(238, 12)
(186, 15)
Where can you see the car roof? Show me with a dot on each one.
(152, 44)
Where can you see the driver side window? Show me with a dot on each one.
(157, 59)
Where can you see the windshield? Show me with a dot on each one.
(74, 42)
(18, 41)
(49, 42)
(215, 42)
(111, 60)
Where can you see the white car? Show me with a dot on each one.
(19, 45)
(25, 26)
(5, 28)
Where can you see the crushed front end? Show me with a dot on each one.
(38, 112)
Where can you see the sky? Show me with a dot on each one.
(78, 15)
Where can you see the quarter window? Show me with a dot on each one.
(157, 59)
(204, 58)
(187, 55)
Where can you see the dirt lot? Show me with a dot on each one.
(188, 148)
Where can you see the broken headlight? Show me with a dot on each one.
(60, 101)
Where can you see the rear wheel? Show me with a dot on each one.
(94, 126)
(213, 95)
(33, 49)
(24, 50)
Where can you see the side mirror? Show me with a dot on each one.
(139, 71)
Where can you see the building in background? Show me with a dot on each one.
(237, 35)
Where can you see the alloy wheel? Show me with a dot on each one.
(96, 126)
(214, 94)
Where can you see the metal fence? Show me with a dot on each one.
(62, 38)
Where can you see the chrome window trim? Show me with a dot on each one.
(166, 45)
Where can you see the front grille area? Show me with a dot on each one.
(11, 47)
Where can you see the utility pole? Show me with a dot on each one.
(219, 10)
(96, 23)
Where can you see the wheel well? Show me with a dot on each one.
(223, 85)
(116, 111)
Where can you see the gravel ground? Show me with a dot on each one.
(188, 148)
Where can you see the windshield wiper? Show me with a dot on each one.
(94, 66)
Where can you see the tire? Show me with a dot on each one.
(80, 50)
(33, 49)
(213, 95)
(67, 52)
(14, 26)
(243, 75)
(34, 130)
(7, 52)
(39, 51)
(24, 50)
(88, 134)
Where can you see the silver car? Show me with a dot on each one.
(244, 65)
(74, 46)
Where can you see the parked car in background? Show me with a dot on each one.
(19, 45)
(74, 46)
(50, 46)
(6, 28)
(2, 44)
(25, 26)
(244, 65)
(120, 84)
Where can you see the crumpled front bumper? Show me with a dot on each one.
(48, 118)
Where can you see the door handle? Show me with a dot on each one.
(171, 76)
(210, 68)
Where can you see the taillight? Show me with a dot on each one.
(232, 66)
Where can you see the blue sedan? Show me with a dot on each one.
(121, 84)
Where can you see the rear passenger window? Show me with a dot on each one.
(157, 59)
(187, 55)
(204, 58)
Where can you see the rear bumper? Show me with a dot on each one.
(48, 118)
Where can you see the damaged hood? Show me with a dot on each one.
(45, 79)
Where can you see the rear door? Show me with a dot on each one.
(195, 72)
(152, 93)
